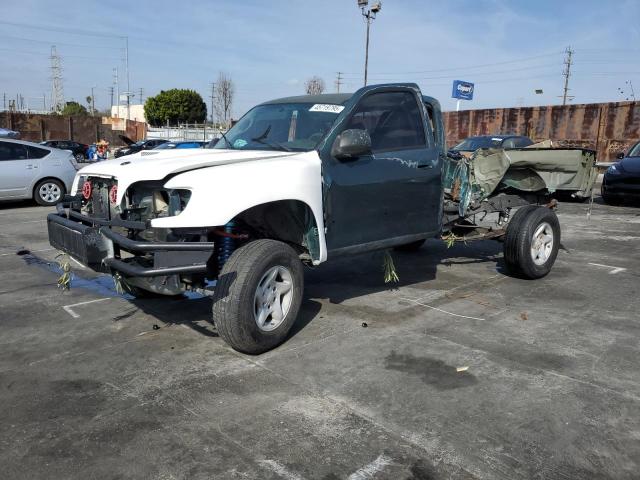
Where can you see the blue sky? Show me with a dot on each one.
(508, 48)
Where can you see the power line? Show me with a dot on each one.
(42, 54)
(465, 67)
(48, 42)
(72, 31)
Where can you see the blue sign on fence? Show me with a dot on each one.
(462, 90)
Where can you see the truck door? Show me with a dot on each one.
(393, 195)
(17, 171)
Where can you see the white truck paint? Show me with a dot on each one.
(223, 183)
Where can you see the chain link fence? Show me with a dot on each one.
(201, 132)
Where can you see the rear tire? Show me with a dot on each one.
(532, 242)
(48, 192)
(410, 247)
(258, 296)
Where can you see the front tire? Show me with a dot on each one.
(258, 296)
(48, 192)
(532, 242)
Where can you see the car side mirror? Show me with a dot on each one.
(351, 144)
(620, 156)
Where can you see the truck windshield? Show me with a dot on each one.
(284, 126)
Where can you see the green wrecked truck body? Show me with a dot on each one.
(490, 173)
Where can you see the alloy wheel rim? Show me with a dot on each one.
(542, 244)
(273, 298)
(50, 192)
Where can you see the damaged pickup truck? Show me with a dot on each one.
(299, 181)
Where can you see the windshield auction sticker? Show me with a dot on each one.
(321, 107)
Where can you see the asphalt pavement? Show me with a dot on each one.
(458, 372)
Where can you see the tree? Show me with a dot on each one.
(174, 107)
(74, 108)
(223, 101)
(314, 86)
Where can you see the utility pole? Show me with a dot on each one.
(369, 15)
(338, 82)
(111, 104)
(93, 102)
(4, 101)
(126, 64)
(213, 96)
(57, 92)
(140, 93)
(117, 83)
(567, 73)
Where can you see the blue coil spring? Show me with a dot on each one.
(227, 245)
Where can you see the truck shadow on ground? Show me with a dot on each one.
(337, 281)
(362, 275)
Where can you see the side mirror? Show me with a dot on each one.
(620, 156)
(351, 144)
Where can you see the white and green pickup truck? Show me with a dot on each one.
(300, 181)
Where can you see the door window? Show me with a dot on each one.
(12, 151)
(35, 152)
(393, 121)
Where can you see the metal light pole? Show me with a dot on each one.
(369, 15)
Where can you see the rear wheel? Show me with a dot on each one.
(532, 242)
(48, 192)
(258, 295)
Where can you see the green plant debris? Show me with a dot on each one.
(450, 239)
(64, 281)
(119, 284)
(390, 274)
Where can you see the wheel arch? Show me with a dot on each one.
(291, 221)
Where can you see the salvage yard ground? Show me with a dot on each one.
(94, 385)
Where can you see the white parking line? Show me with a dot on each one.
(281, 470)
(370, 470)
(613, 271)
(442, 311)
(69, 308)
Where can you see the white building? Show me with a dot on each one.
(136, 112)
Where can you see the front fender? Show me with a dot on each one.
(220, 193)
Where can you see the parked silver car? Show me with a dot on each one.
(29, 170)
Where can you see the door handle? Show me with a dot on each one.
(426, 165)
(29, 167)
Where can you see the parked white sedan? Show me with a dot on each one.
(29, 170)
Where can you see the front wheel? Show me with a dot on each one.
(258, 295)
(532, 242)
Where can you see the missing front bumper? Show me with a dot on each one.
(98, 247)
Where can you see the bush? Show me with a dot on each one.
(175, 106)
(74, 108)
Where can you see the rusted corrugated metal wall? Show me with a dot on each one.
(608, 128)
(84, 129)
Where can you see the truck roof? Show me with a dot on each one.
(329, 98)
